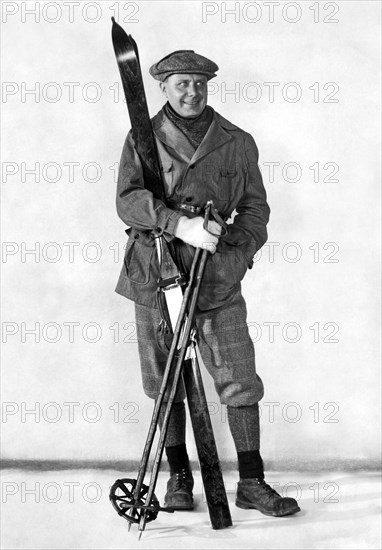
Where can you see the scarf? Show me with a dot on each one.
(193, 128)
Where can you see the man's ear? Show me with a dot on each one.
(162, 86)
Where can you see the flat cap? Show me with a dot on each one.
(183, 61)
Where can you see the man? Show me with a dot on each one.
(203, 157)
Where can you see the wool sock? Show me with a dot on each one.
(250, 464)
(177, 458)
(244, 425)
(176, 451)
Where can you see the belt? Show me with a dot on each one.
(188, 207)
(199, 210)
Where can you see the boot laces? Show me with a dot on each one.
(182, 479)
(267, 488)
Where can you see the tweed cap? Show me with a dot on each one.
(183, 61)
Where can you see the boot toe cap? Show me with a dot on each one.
(179, 501)
(288, 506)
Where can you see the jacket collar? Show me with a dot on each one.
(169, 134)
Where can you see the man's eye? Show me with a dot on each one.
(200, 83)
(182, 84)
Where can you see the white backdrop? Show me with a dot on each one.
(303, 79)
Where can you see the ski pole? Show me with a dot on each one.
(167, 372)
(178, 369)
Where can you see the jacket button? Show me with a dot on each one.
(192, 166)
(188, 199)
(136, 236)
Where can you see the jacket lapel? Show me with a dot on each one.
(169, 134)
(214, 138)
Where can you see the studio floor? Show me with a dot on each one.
(70, 509)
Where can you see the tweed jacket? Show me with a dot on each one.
(224, 168)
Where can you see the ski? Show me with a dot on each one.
(208, 457)
(126, 53)
(127, 56)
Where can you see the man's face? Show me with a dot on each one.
(186, 93)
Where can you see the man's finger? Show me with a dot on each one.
(214, 227)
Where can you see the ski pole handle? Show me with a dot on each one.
(211, 212)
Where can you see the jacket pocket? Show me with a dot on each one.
(228, 172)
(226, 183)
(137, 262)
(229, 266)
(249, 252)
(235, 262)
(227, 177)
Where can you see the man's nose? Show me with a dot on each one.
(192, 89)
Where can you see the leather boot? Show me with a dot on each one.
(179, 490)
(255, 493)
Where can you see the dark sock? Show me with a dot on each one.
(177, 458)
(244, 425)
(250, 464)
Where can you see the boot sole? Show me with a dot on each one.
(246, 506)
(179, 508)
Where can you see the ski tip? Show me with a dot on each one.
(118, 34)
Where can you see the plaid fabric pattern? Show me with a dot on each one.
(225, 346)
(184, 62)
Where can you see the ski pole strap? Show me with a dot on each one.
(210, 212)
(170, 278)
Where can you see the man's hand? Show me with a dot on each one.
(191, 231)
